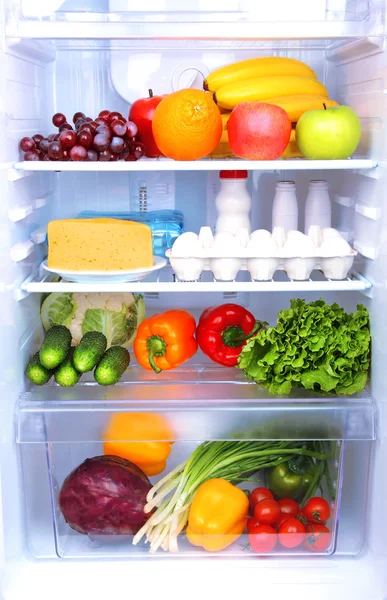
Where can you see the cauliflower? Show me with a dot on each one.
(115, 315)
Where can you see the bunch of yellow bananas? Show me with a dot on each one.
(286, 82)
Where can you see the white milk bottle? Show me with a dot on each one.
(285, 206)
(318, 210)
(233, 203)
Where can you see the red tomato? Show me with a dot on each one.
(318, 537)
(141, 113)
(258, 494)
(317, 510)
(291, 533)
(262, 538)
(251, 523)
(267, 511)
(282, 520)
(289, 507)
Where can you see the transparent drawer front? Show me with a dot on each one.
(206, 10)
(195, 20)
(251, 442)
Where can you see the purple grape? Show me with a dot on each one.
(84, 138)
(65, 155)
(101, 142)
(113, 116)
(27, 144)
(78, 153)
(31, 155)
(78, 115)
(55, 150)
(89, 119)
(117, 145)
(92, 155)
(101, 121)
(105, 130)
(105, 155)
(114, 157)
(124, 154)
(79, 123)
(56, 138)
(118, 127)
(46, 157)
(58, 119)
(68, 139)
(43, 146)
(137, 150)
(51, 137)
(131, 129)
(64, 127)
(104, 114)
(37, 138)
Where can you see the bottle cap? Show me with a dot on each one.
(233, 175)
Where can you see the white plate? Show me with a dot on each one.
(107, 276)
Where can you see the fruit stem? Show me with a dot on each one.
(324, 105)
(150, 92)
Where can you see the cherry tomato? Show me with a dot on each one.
(251, 523)
(291, 533)
(267, 511)
(289, 507)
(258, 494)
(318, 537)
(317, 510)
(262, 538)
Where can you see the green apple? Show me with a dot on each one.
(328, 134)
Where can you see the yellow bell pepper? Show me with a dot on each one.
(218, 515)
(150, 456)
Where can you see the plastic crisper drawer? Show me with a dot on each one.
(57, 429)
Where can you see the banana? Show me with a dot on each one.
(292, 150)
(263, 88)
(296, 106)
(256, 67)
(222, 150)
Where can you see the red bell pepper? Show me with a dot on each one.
(223, 331)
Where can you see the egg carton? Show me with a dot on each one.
(261, 254)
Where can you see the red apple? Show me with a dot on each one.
(141, 113)
(258, 131)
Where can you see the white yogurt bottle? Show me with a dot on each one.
(318, 210)
(285, 206)
(233, 203)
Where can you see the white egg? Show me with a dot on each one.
(260, 234)
(335, 246)
(262, 248)
(187, 244)
(298, 245)
(329, 232)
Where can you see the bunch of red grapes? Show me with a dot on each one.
(108, 137)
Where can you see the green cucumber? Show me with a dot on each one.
(112, 365)
(55, 347)
(90, 351)
(36, 373)
(66, 374)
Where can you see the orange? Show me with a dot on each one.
(187, 125)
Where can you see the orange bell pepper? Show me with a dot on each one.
(217, 516)
(152, 453)
(166, 340)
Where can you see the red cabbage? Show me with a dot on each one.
(105, 495)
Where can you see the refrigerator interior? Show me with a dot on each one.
(58, 72)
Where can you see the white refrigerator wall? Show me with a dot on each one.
(35, 83)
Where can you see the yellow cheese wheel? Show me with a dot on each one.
(99, 245)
